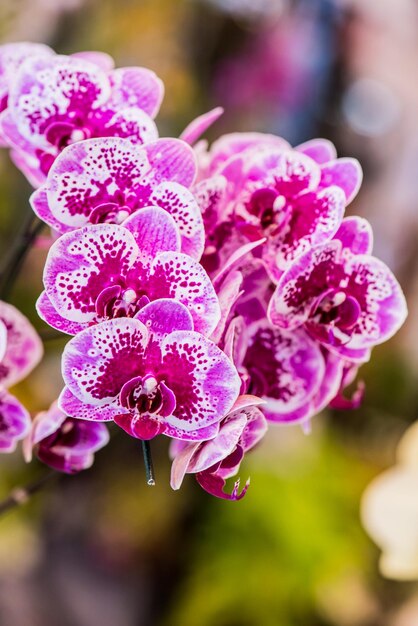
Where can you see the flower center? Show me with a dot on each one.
(335, 317)
(109, 212)
(145, 394)
(62, 134)
(268, 206)
(116, 301)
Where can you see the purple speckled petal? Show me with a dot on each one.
(291, 303)
(319, 150)
(24, 348)
(12, 56)
(128, 123)
(78, 409)
(200, 434)
(48, 89)
(183, 207)
(136, 87)
(383, 305)
(40, 206)
(178, 276)
(97, 362)
(165, 316)
(49, 314)
(286, 369)
(101, 59)
(205, 382)
(345, 173)
(356, 235)
(314, 221)
(14, 421)
(112, 171)
(154, 231)
(82, 263)
(198, 126)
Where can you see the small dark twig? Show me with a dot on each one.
(14, 262)
(21, 495)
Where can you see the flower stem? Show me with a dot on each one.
(14, 261)
(21, 495)
(149, 468)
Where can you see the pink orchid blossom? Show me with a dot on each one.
(152, 374)
(56, 100)
(20, 352)
(214, 461)
(104, 271)
(107, 180)
(346, 299)
(256, 186)
(65, 444)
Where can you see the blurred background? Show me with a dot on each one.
(102, 549)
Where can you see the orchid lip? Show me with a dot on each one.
(145, 394)
(109, 212)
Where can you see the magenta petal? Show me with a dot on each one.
(228, 294)
(40, 206)
(178, 276)
(164, 316)
(49, 314)
(198, 126)
(143, 427)
(172, 160)
(154, 231)
(136, 86)
(286, 369)
(319, 150)
(215, 485)
(97, 362)
(82, 263)
(199, 434)
(232, 144)
(14, 420)
(72, 406)
(24, 347)
(205, 382)
(129, 123)
(180, 203)
(46, 89)
(356, 235)
(345, 173)
(214, 451)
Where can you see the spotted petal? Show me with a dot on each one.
(49, 89)
(24, 348)
(175, 275)
(82, 263)
(111, 170)
(204, 381)
(286, 369)
(98, 361)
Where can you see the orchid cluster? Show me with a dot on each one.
(208, 291)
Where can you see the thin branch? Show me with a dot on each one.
(21, 495)
(14, 262)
